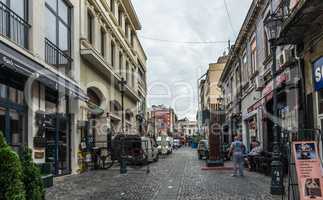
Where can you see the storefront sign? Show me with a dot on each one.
(308, 169)
(280, 79)
(318, 74)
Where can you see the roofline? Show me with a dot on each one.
(241, 36)
(132, 13)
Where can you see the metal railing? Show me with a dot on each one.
(13, 26)
(57, 58)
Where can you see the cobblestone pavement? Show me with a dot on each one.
(175, 177)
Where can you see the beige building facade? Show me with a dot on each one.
(65, 60)
(209, 94)
(110, 52)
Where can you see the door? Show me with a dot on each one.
(16, 121)
(2, 120)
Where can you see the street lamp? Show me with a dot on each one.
(273, 25)
(122, 84)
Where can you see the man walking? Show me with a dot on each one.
(237, 149)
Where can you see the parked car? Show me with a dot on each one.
(203, 149)
(131, 146)
(177, 143)
(165, 144)
(150, 149)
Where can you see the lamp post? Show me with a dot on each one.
(273, 25)
(123, 164)
(122, 84)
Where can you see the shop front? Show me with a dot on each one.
(34, 108)
(288, 98)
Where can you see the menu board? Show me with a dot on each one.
(308, 169)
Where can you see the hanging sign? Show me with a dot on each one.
(318, 74)
(308, 169)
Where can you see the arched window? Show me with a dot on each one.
(93, 97)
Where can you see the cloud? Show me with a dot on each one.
(177, 66)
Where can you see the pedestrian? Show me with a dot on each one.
(237, 150)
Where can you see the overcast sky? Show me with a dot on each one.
(170, 30)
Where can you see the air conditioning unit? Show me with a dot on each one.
(259, 83)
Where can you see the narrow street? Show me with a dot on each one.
(176, 177)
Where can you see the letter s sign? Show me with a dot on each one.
(318, 74)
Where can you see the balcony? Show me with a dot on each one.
(57, 58)
(13, 26)
(301, 18)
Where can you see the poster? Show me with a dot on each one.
(308, 168)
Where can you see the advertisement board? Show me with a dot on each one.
(318, 74)
(308, 169)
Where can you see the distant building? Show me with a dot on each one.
(209, 94)
(161, 120)
(185, 127)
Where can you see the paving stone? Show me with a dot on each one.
(174, 177)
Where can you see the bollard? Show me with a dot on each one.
(123, 163)
(123, 166)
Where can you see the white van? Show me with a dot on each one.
(150, 149)
(165, 144)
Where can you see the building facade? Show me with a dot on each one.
(61, 66)
(39, 79)
(185, 127)
(304, 31)
(248, 86)
(209, 95)
(162, 121)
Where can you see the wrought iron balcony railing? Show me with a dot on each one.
(57, 58)
(13, 26)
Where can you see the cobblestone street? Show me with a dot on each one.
(176, 177)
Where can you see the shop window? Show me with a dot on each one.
(320, 101)
(13, 95)
(3, 91)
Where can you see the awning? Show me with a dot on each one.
(20, 63)
(95, 109)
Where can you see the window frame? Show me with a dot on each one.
(112, 53)
(103, 42)
(120, 62)
(58, 19)
(253, 51)
(90, 25)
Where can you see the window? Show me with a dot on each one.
(103, 41)
(112, 6)
(253, 55)
(120, 63)
(133, 78)
(90, 27)
(127, 71)
(58, 25)
(320, 101)
(237, 73)
(120, 17)
(3, 91)
(112, 53)
(245, 67)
